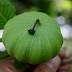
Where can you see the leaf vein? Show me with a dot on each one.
(19, 41)
(14, 31)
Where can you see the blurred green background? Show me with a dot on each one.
(59, 10)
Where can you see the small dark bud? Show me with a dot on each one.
(31, 31)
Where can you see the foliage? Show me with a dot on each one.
(19, 65)
(7, 11)
(3, 54)
(0, 39)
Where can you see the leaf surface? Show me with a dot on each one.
(19, 65)
(7, 11)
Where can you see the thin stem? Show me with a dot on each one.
(33, 31)
(35, 23)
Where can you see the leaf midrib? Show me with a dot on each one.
(3, 17)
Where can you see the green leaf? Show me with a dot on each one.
(7, 11)
(3, 54)
(0, 39)
(19, 65)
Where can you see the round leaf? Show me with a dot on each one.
(35, 48)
